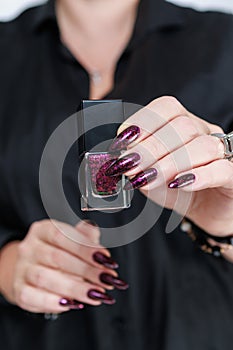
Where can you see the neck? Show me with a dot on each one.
(97, 32)
(96, 17)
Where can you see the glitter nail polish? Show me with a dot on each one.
(182, 181)
(97, 125)
(125, 138)
(124, 164)
(142, 179)
(98, 163)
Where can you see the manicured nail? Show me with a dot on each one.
(126, 137)
(182, 181)
(72, 304)
(105, 260)
(141, 179)
(124, 164)
(113, 281)
(97, 295)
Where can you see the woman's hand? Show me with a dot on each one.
(49, 273)
(169, 149)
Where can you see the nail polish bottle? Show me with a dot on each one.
(98, 121)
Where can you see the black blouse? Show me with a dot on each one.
(179, 298)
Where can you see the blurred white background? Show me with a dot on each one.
(11, 8)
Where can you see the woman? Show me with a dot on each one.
(56, 55)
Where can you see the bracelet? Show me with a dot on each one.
(200, 237)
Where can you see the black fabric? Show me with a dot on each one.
(179, 298)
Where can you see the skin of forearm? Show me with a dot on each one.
(8, 257)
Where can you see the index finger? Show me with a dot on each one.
(154, 116)
(69, 239)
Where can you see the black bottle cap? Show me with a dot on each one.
(98, 121)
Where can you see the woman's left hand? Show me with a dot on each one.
(168, 148)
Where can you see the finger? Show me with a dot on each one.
(68, 286)
(57, 228)
(155, 115)
(172, 136)
(200, 151)
(55, 237)
(60, 259)
(90, 230)
(85, 236)
(36, 300)
(216, 174)
(63, 261)
(210, 128)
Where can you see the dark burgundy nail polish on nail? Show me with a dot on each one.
(126, 137)
(141, 179)
(72, 304)
(182, 181)
(113, 281)
(123, 164)
(105, 260)
(97, 295)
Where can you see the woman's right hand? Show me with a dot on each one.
(48, 269)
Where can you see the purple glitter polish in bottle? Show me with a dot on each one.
(101, 184)
(98, 121)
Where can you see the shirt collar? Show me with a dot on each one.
(152, 15)
(44, 14)
(156, 15)
(160, 14)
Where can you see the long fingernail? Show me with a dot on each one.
(113, 281)
(141, 179)
(97, 295)
(105, 260)
(126, 137)
(72, 304)
(123, 164)
(182, 181)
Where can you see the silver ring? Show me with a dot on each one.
(227, 140)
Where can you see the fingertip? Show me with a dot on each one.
(122, 127)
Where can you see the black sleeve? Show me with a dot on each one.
(8, 235)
